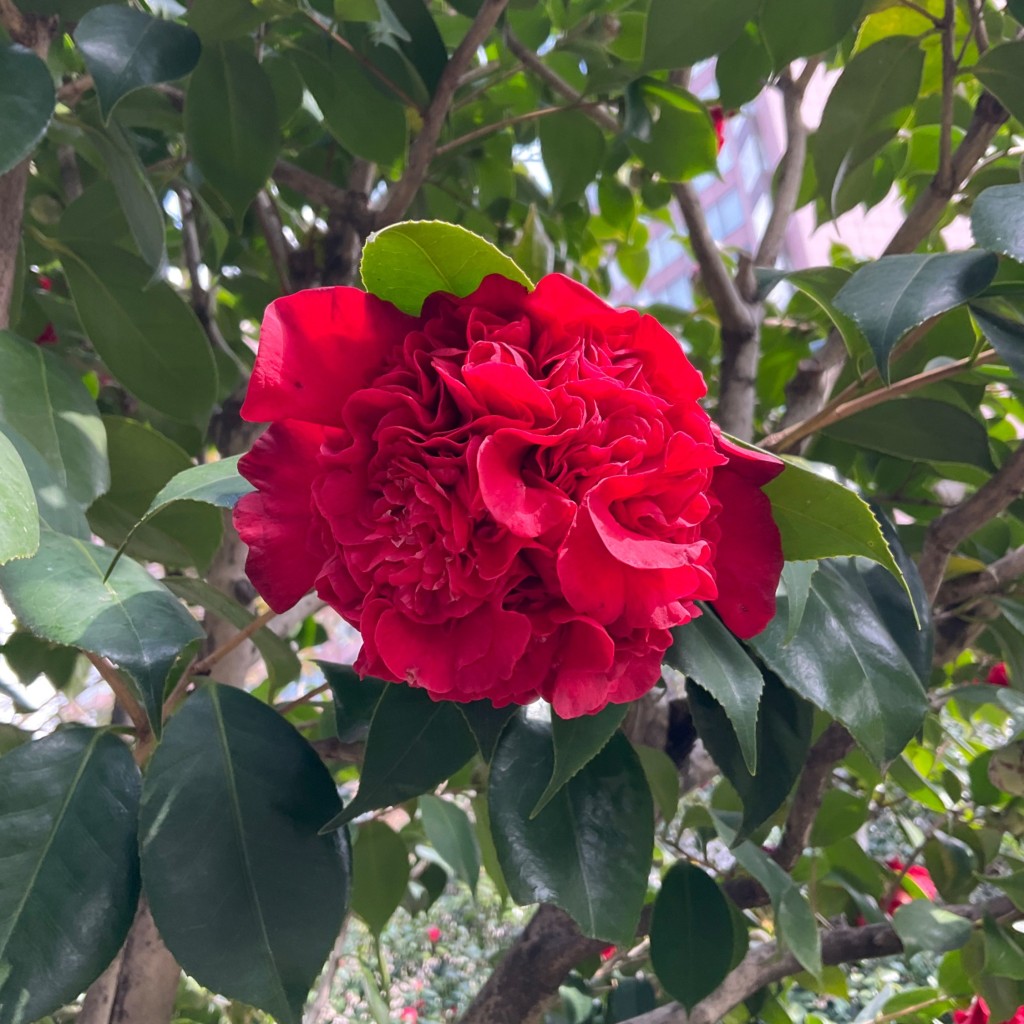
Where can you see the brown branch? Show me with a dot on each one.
(283, 709)
(950, 529)
(998, 576)
(509, 122)
(129, 703)
(273, 231)
(202, 667)
(425, 144)
(71, 92)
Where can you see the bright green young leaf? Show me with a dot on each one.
(804, 28)
(691, 934)
(235, 793)
(69, 805)
(997, 219)
(49, 409)
(896, 293)
(865, 109)
(998, 69)
(919, 430)
(380, 873)
(923, 926)
(706, 652)
(450, 833)
(145, 333)
(845, 661)
(231, 123)
(125, 49)
(27, 99)
(406, 262)
(681, 32)
(589, 850)
(572, 147)
(577, 741)
(662, 777)
(19, 515)
(131, 618)
(682, 143)
(414, 744)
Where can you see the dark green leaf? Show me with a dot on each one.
(691, 934)
(589, 850)
(27, 100)
(997, 220)
(577, 741)
(1002, 325)
(896, 293)
(355, 700)
(150, 340)
(422, 46)
(662, 777)
(450, 833)
(803, 28)
(218, 20)
(1003, 956)
(923, 926)
(19, 515)
(68, 814)
(50, 410)
(235, 793)
(783, 738)
(29, 657)
(918, 429)
(682, 141)
(486, 722)
(572, 147)
(742, 69)
(865, 109)
(681, 32)
(231, 123)
(951, 864)
(846, 662)
(629, 998)
(414, 744)
(710, 655)
(133, 620)
(998, 69)
(796, 577)
(125, 49)
(406, 262)
(380, 873)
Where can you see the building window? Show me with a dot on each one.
(725, 216)
(751, 162)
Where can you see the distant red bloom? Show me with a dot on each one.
(45, 283)
(921, 878)
(976, 1013)
(47, 336)
(608, 952)
(718, 119)
(410, 1014)
(997, 675)
(434, 933)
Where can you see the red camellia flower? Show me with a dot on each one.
(920, 876)
(997, 675)
(434, 933)
(515, 494)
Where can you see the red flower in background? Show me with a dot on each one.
(718, 119)
(434, 933)
(919, 875)
(997, 675)
(47, 336)
(979, 1013)
(515, 494)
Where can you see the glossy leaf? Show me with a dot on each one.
(234, 792)
(896, 293)
(846, 662)
(997, 219)
(19, 515)
(231, 123)
(404, 263)
(126, 49)
(998, 69)
(691, 934)
(589, 850)
(572, 147)
(681, 32)
(1001, 324)
(148, 338)
(923, 926)
(27, 100)
(796, 578)
(681, 144)
(132, 619)
(355, 700)
(419, 41)
(804, 28)
(450, 833)
(662, 777)
(69, 806)
(577, 741)
(380, 873)
(414, 744)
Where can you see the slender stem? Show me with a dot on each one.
(283, 709)
(126, 698)
(490, 129)
(202, 668)
(944, 174)
(923, 11)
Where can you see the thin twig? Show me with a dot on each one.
(923, 11)
(273, 231)
(71, 92)
(125, 697)
(997, 576)
(283, 709)
(509, 122)
(202, 667)
(944, 174)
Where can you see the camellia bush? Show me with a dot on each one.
(700, 629)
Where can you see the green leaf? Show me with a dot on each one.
(845, 661)
(19, 514)
(487, 722)
(951, 863)
(1003, 956)
(783, 739)
(29, 657)
(681, 32)
(891, 296)
(998, 69)
(1002, 325)
(865, 109)
(237, 795)
(708, 653)
(742, 69)
(572, 147)
(50, 410)
(406, 262)
(365, 120)
(419, 40)
(60, 595)
(414, 744)
(630, 998)
(796, 577)
(218, 20)
(577, 741)
(805, 28)
(141, 462)
(282, 663)
(70, 884)
(589, 850)
(450, 833)
(691, 934)
(662, 777)
(231, 123)
(918, 429)
(27, 99)
(682, 141)
(11, 737)
(125, 49)
(923, 926)
(380, 873)
(535, 252)
(840, 815)
(997, 220)
(818, 517)
(1012, 885)
(1006, 768)
(355, 700)
(149, 339)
